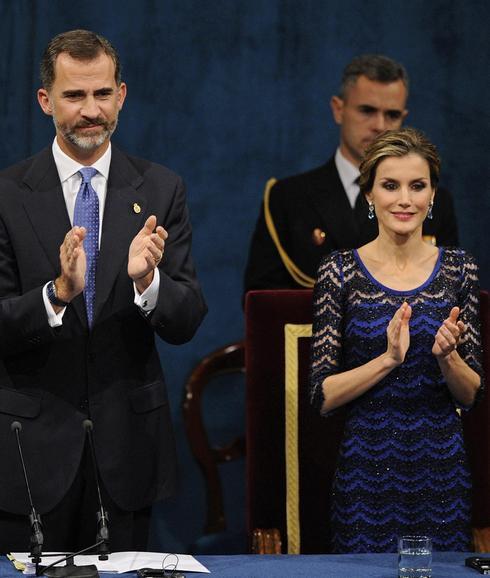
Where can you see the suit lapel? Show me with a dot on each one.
(328, 196)
(46, 209)
(124, 213)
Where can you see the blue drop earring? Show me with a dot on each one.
(371, 211)
(429, 212)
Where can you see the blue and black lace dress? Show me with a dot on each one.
(402, 466)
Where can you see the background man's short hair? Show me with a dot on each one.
(81, 45)
(376, 67)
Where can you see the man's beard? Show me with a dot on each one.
(87, 142)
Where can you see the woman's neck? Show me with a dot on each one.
(400, 251)
(401, 264)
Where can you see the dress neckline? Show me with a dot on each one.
(427, 282)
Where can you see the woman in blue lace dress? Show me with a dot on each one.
(396, 340)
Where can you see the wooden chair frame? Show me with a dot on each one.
(228, 359)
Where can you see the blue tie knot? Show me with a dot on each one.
(87, 173)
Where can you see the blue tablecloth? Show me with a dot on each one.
(445, 565)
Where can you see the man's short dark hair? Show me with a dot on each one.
(376, 67)
(81, 45)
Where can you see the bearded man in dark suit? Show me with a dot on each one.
(306, 216)
(77, 326)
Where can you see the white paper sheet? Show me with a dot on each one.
(121, 562)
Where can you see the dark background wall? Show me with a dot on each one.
(231, 92)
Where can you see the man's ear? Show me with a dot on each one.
(122, 91)
(337, 106)
(44, 101)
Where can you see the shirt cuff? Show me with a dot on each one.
(54, 319)
(147, 301)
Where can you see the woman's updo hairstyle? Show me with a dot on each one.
(398, 143)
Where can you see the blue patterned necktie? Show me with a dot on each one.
(87, 215)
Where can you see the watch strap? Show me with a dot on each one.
(53, 296)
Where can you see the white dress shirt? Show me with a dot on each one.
(348, 174)
(70, 182)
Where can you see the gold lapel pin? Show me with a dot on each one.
(136, 208)
(318, 237)
(430, 239)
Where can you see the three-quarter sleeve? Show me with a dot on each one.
(470, 347)
(328, 315)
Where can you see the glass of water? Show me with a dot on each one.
(414, 557)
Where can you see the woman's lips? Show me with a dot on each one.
(403, 216)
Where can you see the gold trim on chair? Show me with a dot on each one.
(292, 333)
(301, 278)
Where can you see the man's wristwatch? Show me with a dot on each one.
(53, 297)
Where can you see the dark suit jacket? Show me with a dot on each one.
(317, 200)
(52, 379)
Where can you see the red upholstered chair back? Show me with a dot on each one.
(271, 500)
(266, 314)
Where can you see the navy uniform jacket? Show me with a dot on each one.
(313, 217)
(51, 379)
